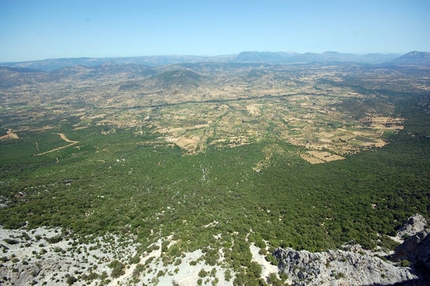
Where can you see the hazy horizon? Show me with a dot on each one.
(46, 29)
(189, 55)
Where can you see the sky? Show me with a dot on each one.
(42, 29)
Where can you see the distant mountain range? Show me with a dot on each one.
(411, 58)
(53, 64)
(280, 57)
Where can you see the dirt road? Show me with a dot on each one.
(62, 136)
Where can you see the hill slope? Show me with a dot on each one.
(412, 58)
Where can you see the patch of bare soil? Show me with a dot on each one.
(254, 109)
(62, 136)
(378, 143)
(266, 267)
(318, 157)
(182, 129)
(10, 135)
(79, 128)
(384, 122)
(31, 129)
(188, 143)
(311, 159)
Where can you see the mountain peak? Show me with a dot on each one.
(416, 55)
(178, 79)
(413, 58)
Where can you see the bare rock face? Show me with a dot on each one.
(414, 225)
(420, 259)
(411, 248)
(416, 248)
(356, 266)
(353, 267)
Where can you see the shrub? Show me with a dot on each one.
(160, 273)
(92, 276)
(227, 275)
(117, 268)
(54, 239)
(15, 260)
(260, 243)
(71, 280)
(178, 261)
(273, 280)
(164, 245)
(255, 269)
(135, 259)
(11, 241)
(405, 263)
(270, 258)
(202, 273)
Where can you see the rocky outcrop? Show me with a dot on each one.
(409, 265)
(415, 250)
(354, 266)
(414, 225)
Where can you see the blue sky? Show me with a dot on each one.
(40, 29)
